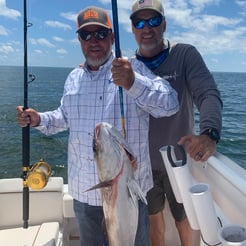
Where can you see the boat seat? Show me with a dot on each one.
(45, 213)
(45, 234)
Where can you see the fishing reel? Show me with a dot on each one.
(38, 175)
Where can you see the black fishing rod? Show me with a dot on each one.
(118, 54)
(25, 132)
(34, 176)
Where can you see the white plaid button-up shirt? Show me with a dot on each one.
(91, 97)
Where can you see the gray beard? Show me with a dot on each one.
(148, 47)
(97, 62)
(151, 46)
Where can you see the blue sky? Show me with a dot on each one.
(216, 27)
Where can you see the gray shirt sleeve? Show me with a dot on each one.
(204, 91)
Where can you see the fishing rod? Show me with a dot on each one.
(25, 133)
(34, 176)
(118, 54)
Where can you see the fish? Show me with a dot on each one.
(116, 164)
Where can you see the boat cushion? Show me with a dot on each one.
(45, 234)
(46, 205)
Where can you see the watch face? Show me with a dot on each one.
(214, 134)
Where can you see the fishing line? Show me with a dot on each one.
(118, 54)
(31, 76)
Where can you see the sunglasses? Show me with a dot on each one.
(152, 22)
(99, 35)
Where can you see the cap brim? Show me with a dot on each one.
(91, 24)
(145, 8)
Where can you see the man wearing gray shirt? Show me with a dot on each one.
(184, 68)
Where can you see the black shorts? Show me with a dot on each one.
(156, 197)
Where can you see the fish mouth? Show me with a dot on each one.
(96, 142)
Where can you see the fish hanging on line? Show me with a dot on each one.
(116, 164)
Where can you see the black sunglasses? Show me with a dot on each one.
(99, 35)
(152, 22)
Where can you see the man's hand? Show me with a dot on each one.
(27, 117)
(122, 73)
(200, 148)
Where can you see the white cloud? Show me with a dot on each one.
(61, 51)
(74, 41)
(215, 20)
(6, 49)
(69, 16)
(178, 4)
(199, 5)
(41, 41)
(8, 13)
(241, 3)
(58, 24)
(179, 17)
(38, 51)
(58, 39)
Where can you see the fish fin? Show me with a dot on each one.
(101, 185)
(135, 191)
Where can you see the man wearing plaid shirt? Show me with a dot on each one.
(91, 96)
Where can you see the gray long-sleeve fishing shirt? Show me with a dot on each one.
(187, 73)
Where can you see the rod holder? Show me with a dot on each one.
(232, 235)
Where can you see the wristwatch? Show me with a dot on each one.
(212, 133)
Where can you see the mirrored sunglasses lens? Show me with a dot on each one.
(154, 22)
(139, 24)
(85, 35)
(100, 35)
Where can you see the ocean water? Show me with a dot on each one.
(44, 94)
